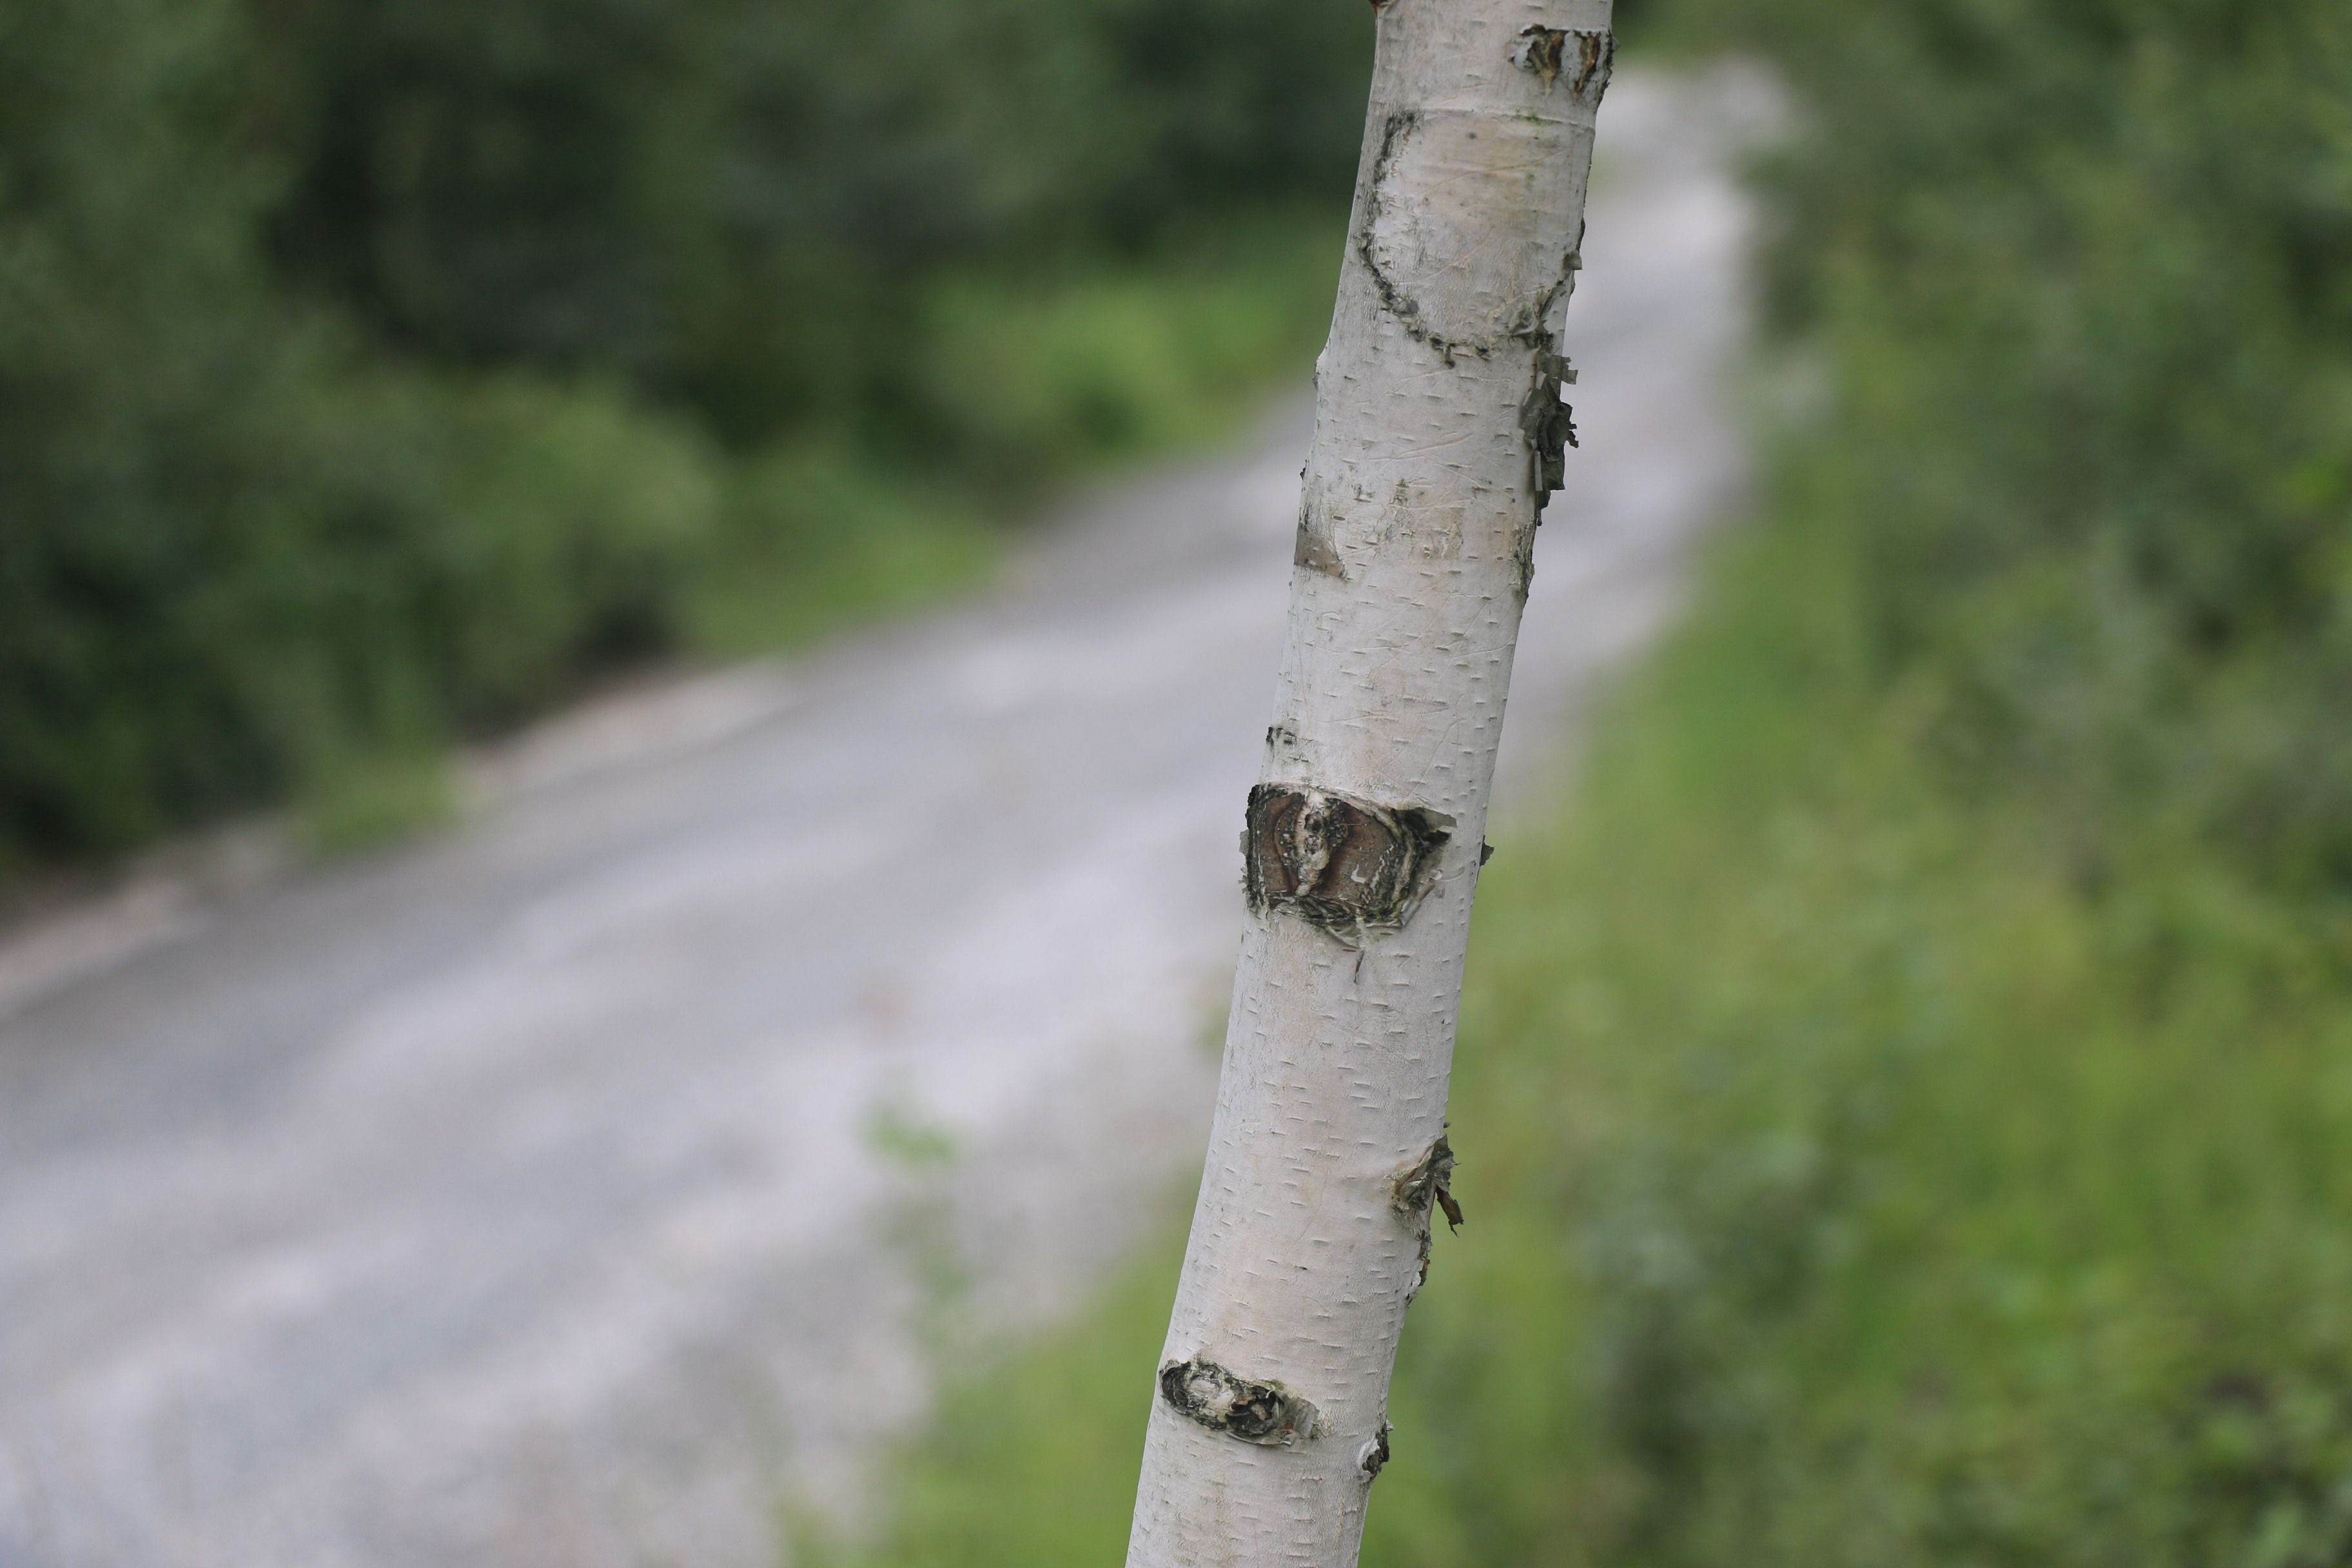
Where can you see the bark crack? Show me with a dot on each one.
(1393, 300)
(1525, 322)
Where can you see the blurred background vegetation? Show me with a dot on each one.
(372, 375)
(1906, 1096)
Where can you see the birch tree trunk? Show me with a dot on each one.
(1438, 434)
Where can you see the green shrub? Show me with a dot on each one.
(386, 561)
(233, 553)
(370, 376)
(742, 203)
(1850, 1186)
(2081, 269)
(1033, 375)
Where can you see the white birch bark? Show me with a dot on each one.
(1436, 436)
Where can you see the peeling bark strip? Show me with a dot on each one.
(1262, 1413)
(1549, 424)
(1430, 1182)
(1314, 549)
(1540, 50)
(1587, 57)
(1438, 432)
(1420, 1191)
(1345, 866)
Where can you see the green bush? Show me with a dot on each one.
(1034, 375)
(236, 556)
(742, 203)
(2081, 271)
(370, 376)
(1848, 1187)
(384, 562)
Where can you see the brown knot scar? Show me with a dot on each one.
(1346, 866)
(1263, 1413)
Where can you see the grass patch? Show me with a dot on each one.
(1045, 375)
(358, 803)
(818, 539)
(1035, 1461)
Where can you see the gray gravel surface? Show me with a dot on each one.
(557, 1191)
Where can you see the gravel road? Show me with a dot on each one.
(555, 1191)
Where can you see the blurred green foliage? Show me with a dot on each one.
(2085, 275)
(372, 375)
(1904, 1099)
(1845, 1185)
(1848, 1184)
(736, 201)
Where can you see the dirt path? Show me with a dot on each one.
(527, 1196)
